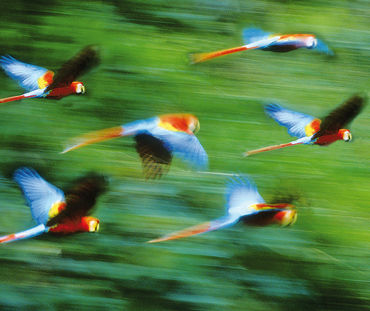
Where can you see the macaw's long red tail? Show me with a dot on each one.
(10, 99)
(94, 137)
(248, 153)
(40, 229)
(201, 57)
(204, 227)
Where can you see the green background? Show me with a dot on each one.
(321, 263)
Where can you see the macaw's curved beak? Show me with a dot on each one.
(94, 137)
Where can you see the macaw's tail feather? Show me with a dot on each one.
(40, 229)
(94, 137)
(269, 148)
(201, 57)
(215, 224)
(204, 227)
(11, 99)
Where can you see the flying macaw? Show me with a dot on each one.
(313, 131)
(40, 82)
(54, 212)
(257, 39)
(243, 203)
(157, 140)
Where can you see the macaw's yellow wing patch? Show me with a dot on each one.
(46, 79)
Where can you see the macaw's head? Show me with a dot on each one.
(78, 87)
(285, 218)
(90, 224)
(310, 41)
(345, 135)
(193, 123)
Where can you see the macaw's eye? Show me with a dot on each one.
(347, 136)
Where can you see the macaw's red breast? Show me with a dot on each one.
(177, 122)
(329, 139)
(61, 92)
(83, 224)
(272, 214)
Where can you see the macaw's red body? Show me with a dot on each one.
(54, 212)
(40, 82)
(158, 139)
(257, 39)
(313, 131)
(244, 204)
(84, 224)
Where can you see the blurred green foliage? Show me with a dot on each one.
(322, 263)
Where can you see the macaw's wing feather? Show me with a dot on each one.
(322, 47)
(204, 227)
(241, 195)
(251, 35)
(76, 66)
(28, 76)
(40, 229)
(43, 198)
(185, 146)
(341, 116)
(297, 123)
(155, 157)
(81, 198)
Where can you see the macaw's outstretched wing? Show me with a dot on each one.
(251, 35)
(241, 195)
(44, 199)
(216, 224)
(341, 116)
(155, 156)
(185, 146)
(81, 63)
(28, 76)
(40, 229)
(297, 123)
(81, 198)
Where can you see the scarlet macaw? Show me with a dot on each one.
(157, 140)
(52, 211)
(255, 38)
(40, 82)
(243, 203)
(311, 130)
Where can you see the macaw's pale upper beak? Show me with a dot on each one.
(94, 137)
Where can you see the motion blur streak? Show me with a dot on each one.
(320, 263)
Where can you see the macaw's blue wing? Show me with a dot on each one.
(185, 146)
(241, 195)
(216, 224)
(322, 47)
(251, 35)
(44, 199)
(26, 75)
(295, 122)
